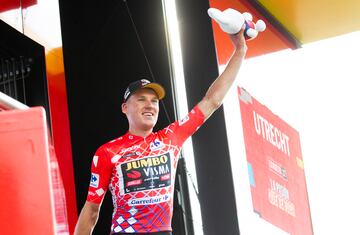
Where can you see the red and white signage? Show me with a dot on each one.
(275, 168)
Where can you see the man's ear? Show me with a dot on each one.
(124, 107)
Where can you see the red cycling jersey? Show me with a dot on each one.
(140, 174)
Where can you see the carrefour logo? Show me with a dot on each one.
(94, 180)
(149, 201)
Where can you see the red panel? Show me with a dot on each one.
(25, 181)
(61, 128)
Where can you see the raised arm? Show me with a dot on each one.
(217, 91)
(87, 219)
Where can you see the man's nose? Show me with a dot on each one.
(149, 104)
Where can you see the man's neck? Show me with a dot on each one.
(141, 133)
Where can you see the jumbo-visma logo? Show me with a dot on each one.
(147, 162)
(146, 173)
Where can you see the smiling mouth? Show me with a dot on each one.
(147, 114)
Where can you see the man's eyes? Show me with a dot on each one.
(153, 101)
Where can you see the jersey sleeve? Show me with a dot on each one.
(101, 168)
(182, 129)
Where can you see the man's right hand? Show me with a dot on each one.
(239, 41)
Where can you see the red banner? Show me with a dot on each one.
(275, 167)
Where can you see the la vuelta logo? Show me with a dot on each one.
(156, 145)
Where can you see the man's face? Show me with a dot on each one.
(142, 109)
